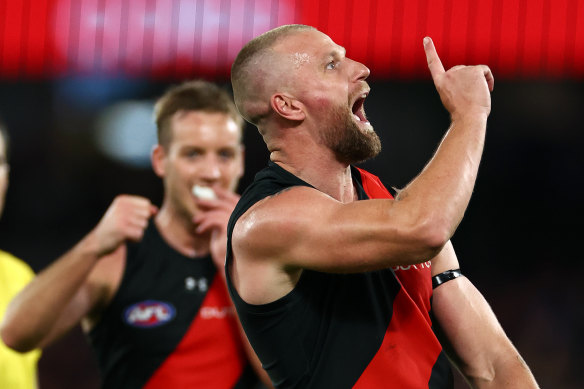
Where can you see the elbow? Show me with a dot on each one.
(481, 374)
(13, 341)
(435, 239)
(430, 236)
(483, 378)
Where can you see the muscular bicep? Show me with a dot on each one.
(304, 228)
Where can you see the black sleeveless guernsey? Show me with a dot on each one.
(365, 330)
(170, 324)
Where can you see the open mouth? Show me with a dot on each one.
(358, 110)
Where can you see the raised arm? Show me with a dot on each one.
(308, 229)
(441, 192)
(472, 335)
(77, 284)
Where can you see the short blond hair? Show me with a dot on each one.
(197, 95)
(244, 66)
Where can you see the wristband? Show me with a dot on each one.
(446, 276)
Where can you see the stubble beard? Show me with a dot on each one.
(349, 143)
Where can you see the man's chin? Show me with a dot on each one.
(354, 157)
(364, 147)
(366, 128)
(363, 125)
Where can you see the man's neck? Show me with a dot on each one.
(180, 233)
(323, 172)
(300, 151)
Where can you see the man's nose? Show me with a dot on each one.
(210, 171)
(361, 72)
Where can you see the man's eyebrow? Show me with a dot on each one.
(338, 52)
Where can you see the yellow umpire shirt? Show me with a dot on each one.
(17, 371)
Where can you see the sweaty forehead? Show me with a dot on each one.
(305, 46)
(202, 126)
(299, 59)
(303, 40)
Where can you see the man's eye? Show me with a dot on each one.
(331, 65)
(227, 154)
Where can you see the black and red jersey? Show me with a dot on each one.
(363, 330)
(170, 324)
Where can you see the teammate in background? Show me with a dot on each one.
(16, 370)
(144, 283)
(337, 293)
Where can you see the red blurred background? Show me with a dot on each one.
(183, 38)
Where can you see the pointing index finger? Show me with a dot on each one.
(434, 63)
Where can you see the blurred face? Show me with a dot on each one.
(205, 150)
(3, 173)
(333, 89)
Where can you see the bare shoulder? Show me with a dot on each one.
(279, 220)
(265, 241)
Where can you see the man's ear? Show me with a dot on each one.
(287, 107)
(158, 157)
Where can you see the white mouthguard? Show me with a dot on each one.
(204, 192)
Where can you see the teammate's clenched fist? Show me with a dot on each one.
(463, 89)
(125, 219)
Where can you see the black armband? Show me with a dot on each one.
(446, 276)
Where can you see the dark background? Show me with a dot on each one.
(520, 241)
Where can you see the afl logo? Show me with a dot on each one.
(149, 313)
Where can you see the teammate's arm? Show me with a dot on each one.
(471, 334)
(75, 285)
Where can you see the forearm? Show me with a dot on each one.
(509, 372)
(475, 340)
(31, 315)
(438, 197)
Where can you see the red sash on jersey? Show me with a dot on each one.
(410, 348)
(210, 355)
